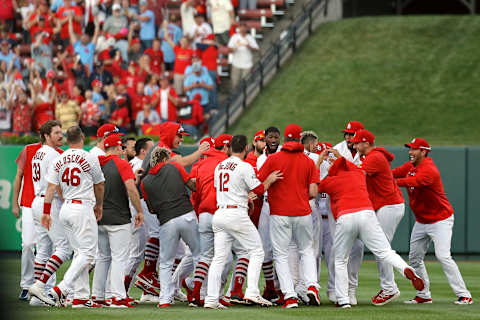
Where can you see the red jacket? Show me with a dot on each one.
(381, 186)
(172, 109)
(289, 196)
(347, 187)
(425, 191)
(205, 188)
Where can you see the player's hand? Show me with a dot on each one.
(275, 175)
(334, 152)
(251, 206)
(252, 196)
(16, 210)
(323, 155)
(204, 147)
(98, 212)
(46, 221)
(138, 219)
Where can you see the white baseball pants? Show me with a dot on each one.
(264, 231)
(389, 217)
(364, 225)
(184, 227)
(299, 229)
(230, 225)
(112, 255)
(138, 240)
(28, 248)
(327, 242)
(81, 228)
(441, 234)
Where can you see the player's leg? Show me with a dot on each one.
(388, 217)
(353, 266)
(240, 273)
(118, 236)
(147, 277)
(346, 233)
(222, 248)
(136, 253)
(281, 235)
(269, 291)
(303, 235)
(170, 235)
(441, 235)
(295, 272)
(328, 257)
(103, 262)
(419, 243)
(28, 252)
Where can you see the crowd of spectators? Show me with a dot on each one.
(126, 62)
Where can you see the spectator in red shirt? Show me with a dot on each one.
(165, 100)
(190, 116)
(156, 57)
(137, 99)
(120, 116)
(35, 20)
(183, 58)
(43, 28)
(90, 115)
(7, 13)
(62, 17)
(22, 115)
(208, 52)
(290, 212)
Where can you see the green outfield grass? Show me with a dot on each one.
(401, 76)
(442, 308)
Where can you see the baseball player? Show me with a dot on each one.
(114, 228)
(128, 146)
(164, 192)
(234, 179)
(271, 291)
(355, 218)
(52, 245)
(387, 201)
(433, 220)
(323, 205)
(80, 178)
(103, 132)
(24, 172)
(346, 149)
(290, 217)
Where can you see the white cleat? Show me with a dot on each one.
(353, 298)
(149, 298)
(258, 299)
(38, 290)
(332, 297)
(217, 306)
(180, 296)
(35, 302)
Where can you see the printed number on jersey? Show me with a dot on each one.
(224, 178)
(36, 172)
(70, 177)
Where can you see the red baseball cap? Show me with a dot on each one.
(363, 135)
(121, 100)
(50, 74)
(223, 139)
(292, 131)
(96, 83)
(353, 126)
(210, 140)
(418, 143)
(112, 140)
(135, 41)
(260, 135)
(107, 130)
(323, 146)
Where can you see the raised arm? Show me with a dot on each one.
(73, 36)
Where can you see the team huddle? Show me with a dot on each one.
(255, 207)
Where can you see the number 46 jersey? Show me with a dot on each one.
(76, 171)
(233, 180)
(41, 161)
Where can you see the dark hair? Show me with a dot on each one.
(141, 144)
(308, 136)
(271, 129)
(291, 139)
(46, 128)
(239, 142)
(126, 139)
(74, 135)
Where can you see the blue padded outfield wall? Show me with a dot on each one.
(458, 166)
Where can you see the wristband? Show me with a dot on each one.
(46, 208)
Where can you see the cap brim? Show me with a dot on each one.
(407, 145)
(183, 133)
(348, 131)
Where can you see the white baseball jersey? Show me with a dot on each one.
(96, 151)
(342, 148)
(263, 157)
(136, 164)
(312, 156)
(41, 161)
(233, 180)
(76, 171)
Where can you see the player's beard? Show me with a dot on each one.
(258, 150)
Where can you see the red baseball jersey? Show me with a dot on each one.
(424, 185)
(24, 160)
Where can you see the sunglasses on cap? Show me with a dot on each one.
(107, 133)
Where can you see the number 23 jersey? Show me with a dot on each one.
(41, 161)
(233, 180)
(76, 171)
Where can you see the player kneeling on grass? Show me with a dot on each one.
(114, 229)
(433, 220)
(235, 181)
(164, 191)
(346, 185)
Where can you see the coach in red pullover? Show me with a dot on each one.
(290, 216)
(387, 201)
(353, 211)
(434, 220)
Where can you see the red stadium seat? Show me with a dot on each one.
(273, 4)
(255, 13)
